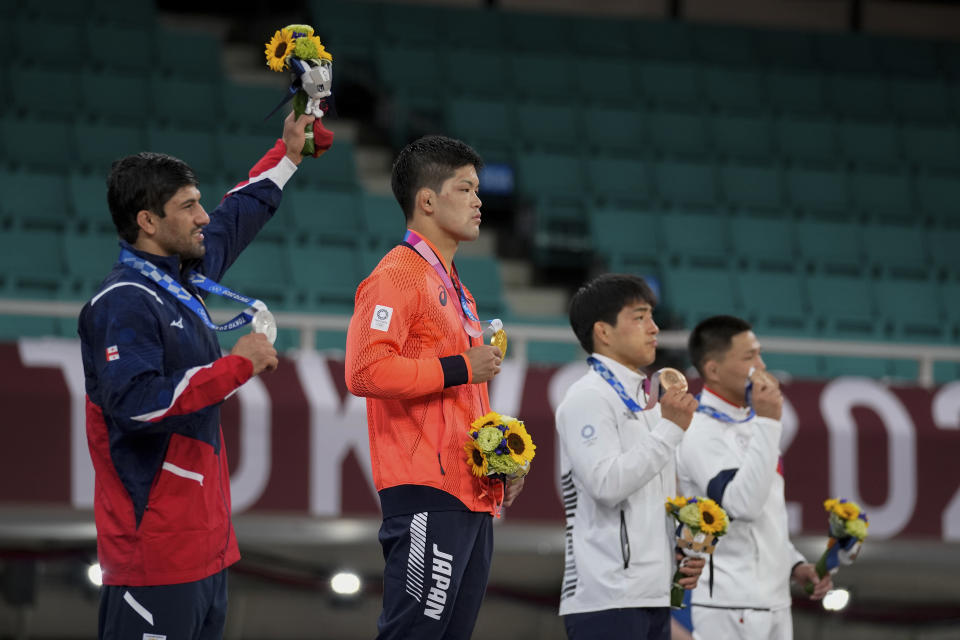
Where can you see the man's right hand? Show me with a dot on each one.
(257, 349)
(767, 399)
(485, 362)
(678, 407)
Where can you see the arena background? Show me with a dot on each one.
(796, 162)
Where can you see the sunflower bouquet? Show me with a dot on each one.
(848, 527)
(700, 523)
(297, 49)
(499, 446)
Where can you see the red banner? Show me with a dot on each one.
(298, 442)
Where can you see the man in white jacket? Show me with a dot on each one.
(618, 469)
(731, 453)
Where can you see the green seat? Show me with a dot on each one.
(196, 147)
(474, 28)
(130, 14)
(857, 96)
(686, 184)
(626, 240)
(347, 29)
(34, 200)
(619, 181)
(57, 12)
(537, 31)
(325, 277)
(89, 258)
(950, 300)
(752, 187)
(794, 365)
(188, 54)
(15, 327)
(607, 80)
(725, 45)
(846, 53)
(65, 32)
(544, 76)
(22, 272)
(944, 372)
(551, 127)
(607, 36)
(115, 97)
(776, 302)
(884, 196)
(556, 174)
(409, 23)
(911, 310)
(786, 50)
(942, 244)
(246, 107)
(237, 152)
(671, 84)
(764, 243)
(662, 40)
(818, 191)
(734, 90)
(804, 139)
(694, 294)
(99, 144)
(908, 56)
(40, 91)
(128, 47)
(831, 246)
(939, 197)
(482, 123)
(27, 143)
(613, 130)
(931, 146)
(920, 99)
(678, 133)
(696, 239)
(743, 137)
(481, 274)
(553, 353)
(170, 105)
(261, 272)
(330, 341)
(797, 92)
(88, 201)
(339, 167)
(382, 218)
(870, 144)
(461, 83)
(329, 216)
(843, 306)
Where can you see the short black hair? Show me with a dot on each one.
(428, 162)
(601, 299)
(146, 180)
(712, 337)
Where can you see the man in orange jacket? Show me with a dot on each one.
(415, 351)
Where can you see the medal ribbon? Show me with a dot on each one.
(415, 240)
(611, 379)
(150, 271)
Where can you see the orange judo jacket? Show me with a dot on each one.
(404, 355)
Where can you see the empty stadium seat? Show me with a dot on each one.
(196, 147)
(550, 174)
(670, 84)
(797, 92)
(618, 181)
(845, 53)
(483, 123)
(259, 272)
(868, 144)
(543, 76)
(752, 187)
(626, 240)
(696, 239)
(325, 277)
(19, 138)
(920, 99)
(686, 184)
(34, 200)
(615, 131)
(549, 127)
(382, 218)
(193, 54)
(98, 144)
(127, 47)
(88, 201)
(897, 250)
(330, 216)
(22, 274)
(884, 196)
(743, 137)
(911, 310)
(471, 72)
(764, 243)
(680, 134)
(793, 365)
(776, 302)
(735, 90)
(831, 247)
(186, 102)
(694, 294)
(939, 197)
(805, 139)
(818, 191)
(606, 80)
(932, 146)
(843, 306)
(481, 274)
(115, 97)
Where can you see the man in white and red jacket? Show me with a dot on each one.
(155, 378)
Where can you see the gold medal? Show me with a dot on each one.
(670, 378)
(499, 339)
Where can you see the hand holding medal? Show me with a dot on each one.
(763, 395)
(264, 322)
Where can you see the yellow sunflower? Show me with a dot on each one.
(521, 446)
(676, 503)
(713, 519)
(279, 49)
(476, 459)
(847, 510)
(830, 503)
(490, 420)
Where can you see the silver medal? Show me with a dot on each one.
(264, 322)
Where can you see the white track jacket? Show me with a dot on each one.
(618, 468)
(738, 466)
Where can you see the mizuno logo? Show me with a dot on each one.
(437, 597)
(178, 323)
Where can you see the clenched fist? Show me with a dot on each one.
(485, 362)
(257, 349)
(678, 407)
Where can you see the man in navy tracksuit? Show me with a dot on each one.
(155, 378)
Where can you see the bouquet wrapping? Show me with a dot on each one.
(848, 526)
(700, 523)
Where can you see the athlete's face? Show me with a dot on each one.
(633, 340)
(180, 230)
(456, 208)
(727, 374)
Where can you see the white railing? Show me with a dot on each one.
(522, 334)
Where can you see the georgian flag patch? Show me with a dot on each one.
(113, 353)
